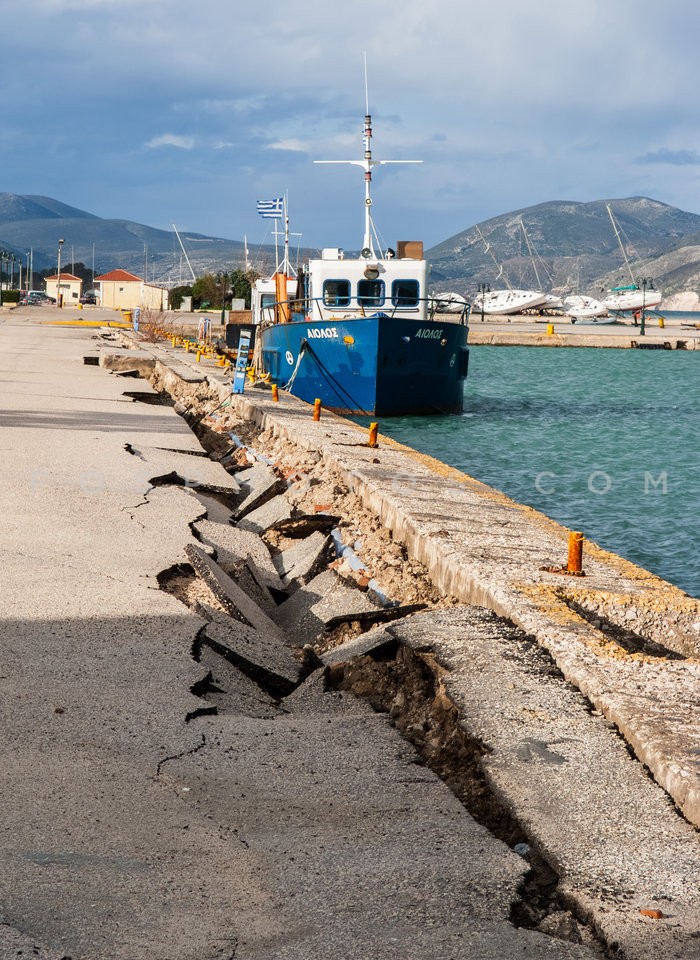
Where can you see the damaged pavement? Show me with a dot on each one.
(231, 732)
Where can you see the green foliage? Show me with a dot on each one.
(241, 283)
(207, 289)
(177, 294)
(10, 296)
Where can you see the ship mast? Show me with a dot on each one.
(367, 163)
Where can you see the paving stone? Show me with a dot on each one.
(303, 561)
(258, 484)
(267, 516)
(228, 593)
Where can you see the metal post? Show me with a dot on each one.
(484, 288)
(59, 302)
(644, 282)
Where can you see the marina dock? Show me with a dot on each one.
(271, 691)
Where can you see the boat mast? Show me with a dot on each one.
(619, 240)
(182, 247)
(487, 247)
(367, 163)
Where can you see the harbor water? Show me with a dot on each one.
(603, 441)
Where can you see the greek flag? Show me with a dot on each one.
(270, 209)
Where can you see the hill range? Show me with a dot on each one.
(562, 246)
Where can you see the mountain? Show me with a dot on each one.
(37, 223)
(568, 246)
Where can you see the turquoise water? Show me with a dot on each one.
(603, 441)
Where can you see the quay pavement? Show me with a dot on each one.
(139, 825)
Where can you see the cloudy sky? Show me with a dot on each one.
(174, 111)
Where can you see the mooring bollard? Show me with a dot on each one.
(317, 409)
(550, 329)
(661, 323)
(275, 393)
(373, 427)
(574, 564)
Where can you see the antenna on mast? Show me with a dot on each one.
(367, 163)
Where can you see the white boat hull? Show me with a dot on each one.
(508, 301)
(580, 307)
(632, 300)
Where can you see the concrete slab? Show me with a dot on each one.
(267, 516)
(303, 560)
(587, 806)
(261, 656)
(233, 545)
(362, 852)
(228, 593)
(324, 602)
(191, 470)
(258, 484)
(231, 691)
(376, 642)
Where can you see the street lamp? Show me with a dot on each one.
(644, 282)
(2, 259)
(484, 288)
(59, 300)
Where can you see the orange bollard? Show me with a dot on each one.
(574, 564)
(373, 427)
(275, 393)
(317, 409)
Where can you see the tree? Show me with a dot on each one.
(176, 295)
(206, 290)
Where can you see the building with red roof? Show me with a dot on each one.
(121, 290)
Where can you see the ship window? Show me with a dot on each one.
(370, 293)
(404, 293)
(336, 293)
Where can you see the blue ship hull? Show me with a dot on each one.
(376, 365)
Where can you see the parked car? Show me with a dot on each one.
(88, 298)
(36, 298)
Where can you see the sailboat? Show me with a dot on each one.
(360, 333)
(630, 298)
(505, 301)
(552, 301)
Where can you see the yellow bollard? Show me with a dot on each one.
(317, 409)
(661, 322)
(373, 427)
(174, 342)
(550, 329)
(199, 356)
(187, 346)
(574, 564)
(275, 393)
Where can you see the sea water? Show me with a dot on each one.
(604, 441)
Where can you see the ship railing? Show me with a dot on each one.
(319, 308)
